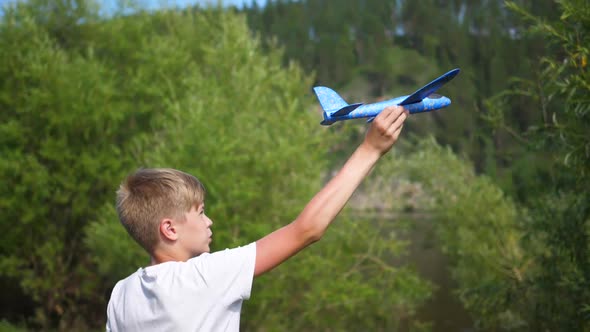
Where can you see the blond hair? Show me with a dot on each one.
(150, 195)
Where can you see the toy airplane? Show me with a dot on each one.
(423, 100)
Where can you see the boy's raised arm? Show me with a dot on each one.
(317, 215)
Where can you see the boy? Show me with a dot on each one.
(186, 288)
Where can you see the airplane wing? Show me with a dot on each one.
(346, 109)
(430, 88)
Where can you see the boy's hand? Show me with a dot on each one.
(386, 128)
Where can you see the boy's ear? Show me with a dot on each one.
(168, 229)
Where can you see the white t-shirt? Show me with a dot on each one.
(204, 293)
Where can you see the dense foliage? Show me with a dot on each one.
(521, 260)
(555, 291)
(391, 48)
(87, 100)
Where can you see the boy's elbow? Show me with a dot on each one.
(310, 232)
(314, 237)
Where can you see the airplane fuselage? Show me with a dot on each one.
(427, 104)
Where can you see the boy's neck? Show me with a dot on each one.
(163, 257)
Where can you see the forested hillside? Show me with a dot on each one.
(394, 47)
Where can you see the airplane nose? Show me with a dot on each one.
(428, 104)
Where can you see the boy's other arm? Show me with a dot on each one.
(317, 215)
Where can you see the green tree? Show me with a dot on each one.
(250, 159)
(62, 152)
(481, 37)
(525, 267)
(477, 228)
(557, 228)
(85, 104)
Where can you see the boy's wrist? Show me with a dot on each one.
(369, 151)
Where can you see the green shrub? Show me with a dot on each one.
(88, 100)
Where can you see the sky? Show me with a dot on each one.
(153, 4)
(184, 3)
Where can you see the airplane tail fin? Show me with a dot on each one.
(329, 99)
(332, 103)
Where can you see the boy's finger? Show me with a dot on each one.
(386, 119)
(399, 120)
(396, 125)
(386, 113)
(383, 120)
(392, 113)
(398, 132)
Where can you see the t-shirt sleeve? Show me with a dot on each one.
(231, 271)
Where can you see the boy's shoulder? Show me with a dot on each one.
(216, 282)
(207, 266)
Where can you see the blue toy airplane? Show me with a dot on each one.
(423, 100)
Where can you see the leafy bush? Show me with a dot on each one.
(88, 100)
(476, 225)
(238, 122)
